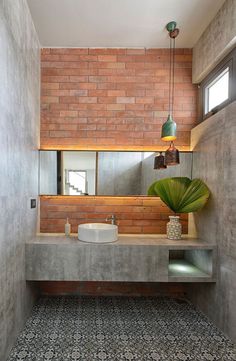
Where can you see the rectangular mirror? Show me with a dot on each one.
(104, 173)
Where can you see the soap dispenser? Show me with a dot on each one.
(67, 228)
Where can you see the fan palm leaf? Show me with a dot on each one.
(181, 194)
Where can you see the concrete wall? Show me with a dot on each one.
(149, 175)
(216, 41)
(214, 161)
(19, 124)
(119, 173)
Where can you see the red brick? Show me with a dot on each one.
(98, 107)
(135, 93)
(49, 99)
(98, 93)
(77, 106)
(88, 58)
(52, 92)
(116, 107)
(98, 79)
(70, 57)
(64, 64)
(107, 86)
(71, 72)
(78, 92)
(78, 79)
(134, 106)
(126, 100)
(144, 100)
(107, 51)
(104, 65)
(135, 51)
(107, 100)
(68, 113)
(88, 100)
(116, 93)
(50, 86)
(77, 86)
(55, 79)
(107, 58)
(77, 51)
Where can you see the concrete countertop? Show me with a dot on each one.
(124, 239)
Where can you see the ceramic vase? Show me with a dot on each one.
(174, 228)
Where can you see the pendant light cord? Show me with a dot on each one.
(170, 75)
(173, 76)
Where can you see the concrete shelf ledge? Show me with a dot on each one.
(181, 270)
(133, 258)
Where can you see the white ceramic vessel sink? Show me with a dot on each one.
(97, 232)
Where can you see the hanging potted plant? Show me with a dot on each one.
(181, 195)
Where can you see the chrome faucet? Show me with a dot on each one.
(111, 218)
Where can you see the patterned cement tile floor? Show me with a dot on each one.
(119, 328)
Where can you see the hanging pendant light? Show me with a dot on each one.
(172, 155)
(159, 161)
(168, 132)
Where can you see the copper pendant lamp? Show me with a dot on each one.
(171, 155)
(159, 161)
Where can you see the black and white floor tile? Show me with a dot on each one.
(117, 329)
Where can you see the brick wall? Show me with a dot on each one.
(113, 98)
(58, 288)
(134, 214)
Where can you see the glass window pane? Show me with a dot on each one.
(218, 91)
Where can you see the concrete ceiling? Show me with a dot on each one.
(120, 23)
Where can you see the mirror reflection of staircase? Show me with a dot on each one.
(75, 182)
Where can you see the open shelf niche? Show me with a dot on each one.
(191, 265)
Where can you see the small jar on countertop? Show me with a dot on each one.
(174, 228)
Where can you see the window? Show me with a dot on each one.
(217, 91)
(219, 88)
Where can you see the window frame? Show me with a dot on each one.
(228, 62)
(226, 69)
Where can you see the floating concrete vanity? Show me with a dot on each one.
(133, 258)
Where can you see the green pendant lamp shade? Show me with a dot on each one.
(171, 26)
(168, 131)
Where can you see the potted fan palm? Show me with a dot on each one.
(181, 195)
